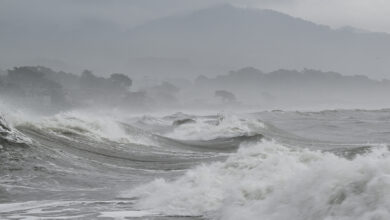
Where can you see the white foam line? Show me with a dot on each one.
(19, 206)
(125, 214)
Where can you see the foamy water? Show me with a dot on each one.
(268, 165)
(270, 181)
(223, 125)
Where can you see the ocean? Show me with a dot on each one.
(273, 165)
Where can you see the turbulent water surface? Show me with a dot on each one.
(267, 165)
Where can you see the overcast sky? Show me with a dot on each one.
(364, 14)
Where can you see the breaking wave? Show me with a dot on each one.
(224, 166)
(219, 126)
(267, 180)
(9, 135)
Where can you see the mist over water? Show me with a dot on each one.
(198, 111)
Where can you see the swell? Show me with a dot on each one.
(221, 144)
(216, 145)
(124, 154)
(154, 152)
(63, 157)
(143, 149)
(210, 166)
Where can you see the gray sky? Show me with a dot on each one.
(365, 14)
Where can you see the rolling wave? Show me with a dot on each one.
(224, 166)
(267, 180)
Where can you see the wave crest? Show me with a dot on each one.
(221, 126)
(9, 135)
(267, 180)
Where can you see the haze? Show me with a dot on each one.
(181, 53)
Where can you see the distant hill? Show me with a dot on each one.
(207, 41)
(289, 88)
(228, 37)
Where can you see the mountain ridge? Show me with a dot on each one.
(263, 38)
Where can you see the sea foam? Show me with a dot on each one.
(267, 180)
(222, 126)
